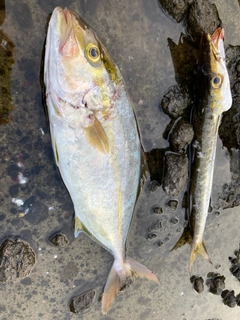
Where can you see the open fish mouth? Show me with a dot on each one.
(217, 39)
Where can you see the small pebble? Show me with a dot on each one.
(158, 210)
(229, 298)
(172, 204)
(59, 240)
(153, 186)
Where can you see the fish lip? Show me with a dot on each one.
(217, 35)
(69, 13)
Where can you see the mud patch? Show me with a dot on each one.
(16, 260)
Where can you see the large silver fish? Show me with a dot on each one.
(95, 140)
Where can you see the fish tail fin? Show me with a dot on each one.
(118, 277)
(198, 248)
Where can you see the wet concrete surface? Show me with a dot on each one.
(35, 205)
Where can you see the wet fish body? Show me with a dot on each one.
(95, 140)
(213, 98)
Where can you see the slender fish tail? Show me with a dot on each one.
(119, 274)
(198, 247)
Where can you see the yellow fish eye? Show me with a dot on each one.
(216, 81)
(92, 53)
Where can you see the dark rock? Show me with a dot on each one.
(198, 283)
(216, 283)
(59, 240)
(238, 299)
(172, 204)
(153, 186)
(176, 8)
(202, 18)
(160, 243)
(235, 265)
(229, 298)
(174, 102)
(181, 136)
(174, 220)
(176, 174)
(151, 236)
(16, 260)
(82, 302)
(158, 210)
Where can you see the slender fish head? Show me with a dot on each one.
(214, 71)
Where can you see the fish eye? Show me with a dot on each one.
(216, 81)
(92, 53)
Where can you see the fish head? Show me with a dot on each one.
(78, 71)
(215, 71)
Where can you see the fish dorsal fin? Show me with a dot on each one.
(96, 136)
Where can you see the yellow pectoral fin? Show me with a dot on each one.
(55, 151)
(97, 137)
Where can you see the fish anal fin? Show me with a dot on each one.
(199, 248)
(119, 275)
(186, 237)
(96, 136)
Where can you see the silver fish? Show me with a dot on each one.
(95, 140)
(212, 99)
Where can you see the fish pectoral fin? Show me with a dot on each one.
(199, 248)
(186, 237)
(55, 151)
(96, 136)
(118, 276)
(78, 227)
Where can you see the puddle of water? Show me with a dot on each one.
(135, 34)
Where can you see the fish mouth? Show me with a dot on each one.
(217, 35)
(70, 30)
(217, 42)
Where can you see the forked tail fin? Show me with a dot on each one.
(118, 276)
(198, 248)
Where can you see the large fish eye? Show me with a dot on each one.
(216, 81)
(92, 53)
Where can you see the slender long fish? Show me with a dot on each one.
(95, 140)
(213, 98)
